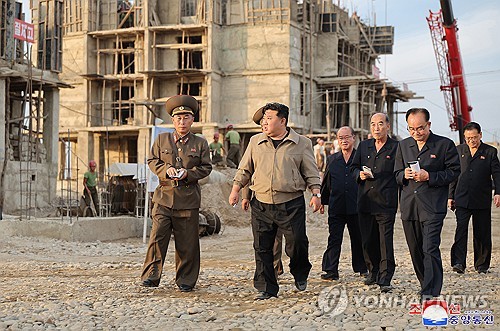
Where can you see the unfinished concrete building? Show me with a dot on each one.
(29, 110)
(125, 58)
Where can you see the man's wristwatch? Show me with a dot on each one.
(317, 195)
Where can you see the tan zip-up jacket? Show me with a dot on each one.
(278, 175)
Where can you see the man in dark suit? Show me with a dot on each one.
(179, 159)
(471, 196)
(339, 191)
(424, 195)
(373, 167)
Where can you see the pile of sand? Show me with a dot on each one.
(215, 194)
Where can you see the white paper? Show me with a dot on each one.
(414, 165)
(368, 170)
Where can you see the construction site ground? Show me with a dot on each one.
(54, 284)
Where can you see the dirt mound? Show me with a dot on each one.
(215, 194)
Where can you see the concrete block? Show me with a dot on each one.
(83, 229)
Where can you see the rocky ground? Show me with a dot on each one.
(52, 284)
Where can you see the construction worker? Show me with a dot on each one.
(90, 190)
(179, 159)
(233, 153)
(215, 149)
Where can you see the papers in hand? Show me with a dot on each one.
(368, 170)
(414, 165)
(179, 174)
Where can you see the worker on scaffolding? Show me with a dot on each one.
(90, 190)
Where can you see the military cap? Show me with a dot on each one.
(257, 117)
(181, 104)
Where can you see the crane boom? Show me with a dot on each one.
(444, 29)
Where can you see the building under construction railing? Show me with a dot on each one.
(29, 111)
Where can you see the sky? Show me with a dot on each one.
(413, 60)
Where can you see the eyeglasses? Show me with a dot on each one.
(473, 138)
(344, 138)
(420, 129)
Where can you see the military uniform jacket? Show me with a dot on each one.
(194, 156)
(339, 190)
(426, 200)
(378, 194)
(473, 188)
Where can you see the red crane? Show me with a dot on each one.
(443, 27)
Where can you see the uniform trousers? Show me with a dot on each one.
(290, 218)
(184, 225)
(377, 232)
(423, 239)
(331, 257)
(481, 226)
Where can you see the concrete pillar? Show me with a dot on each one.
(353, 106)
(51, 138)
(143, 144)
(3, 107)
(84, 149)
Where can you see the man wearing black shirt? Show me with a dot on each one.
(372, 167)
(339, 191)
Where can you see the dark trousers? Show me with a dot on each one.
(277, 251)
(233, 155)
(290, 218)
(481, 226)
(331, 257)
(184, 225)
(95, 198)
(377, 232)
(423, 239)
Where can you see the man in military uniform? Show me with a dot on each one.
(179, 159)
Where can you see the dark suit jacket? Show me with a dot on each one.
(426, 200)
(473, 188)
(339, 190)
(380, 194)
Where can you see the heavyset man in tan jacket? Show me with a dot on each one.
(279, 165)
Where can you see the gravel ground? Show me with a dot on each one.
(52, 284)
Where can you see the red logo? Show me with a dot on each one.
(433, 156)
(415, 309)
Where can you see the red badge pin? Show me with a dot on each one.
(483, 157)
(388, 157)
(433, 156)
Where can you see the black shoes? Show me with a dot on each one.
(330, 276)
(265, 296)
(385, 288)
(301, 285)
(482, 271)
(185, 288)
(370, 280)
(149, 283)
(364, 274)
(458, 268)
